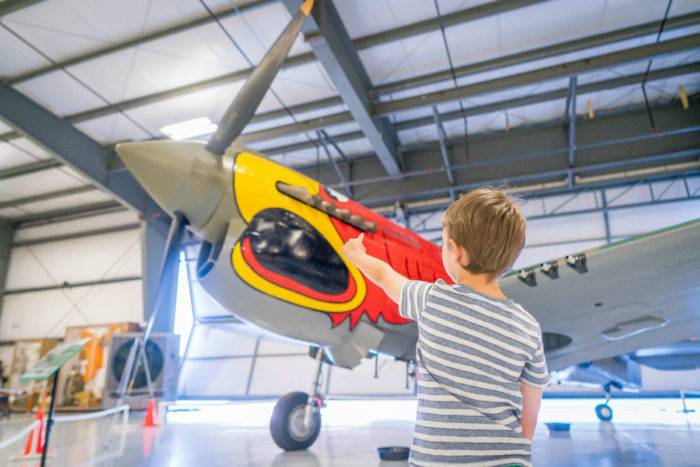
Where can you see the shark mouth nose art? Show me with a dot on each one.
(286, 250)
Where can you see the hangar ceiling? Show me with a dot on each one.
(376, 92)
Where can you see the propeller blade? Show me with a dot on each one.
(246, 102)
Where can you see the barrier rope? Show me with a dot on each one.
(19, 435)
(66, 419)
(91, 415)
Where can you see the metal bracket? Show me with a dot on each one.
(528, 277)
(578, 262)
(550, 270)
(313, 353)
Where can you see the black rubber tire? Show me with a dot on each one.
(279, 427)
(604, 412)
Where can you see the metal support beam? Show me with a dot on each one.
(135, 41)
(543, 178)
(30, 168)
(331, 141)
(458, 17)
(598, 209)
(75, 235)
(362, 43)
(612, 144)
(7, 233)
(563, 70)
(64, 214)
(442, 136)
(323, 138)
(251, 370)
(606, 217)
(70, 146)
(401, 216)
(10, 6)
(359, 159)
(71, 285)
(331, 44)
(45, 196)
(532, 55)
(571, 130)
(470, 112)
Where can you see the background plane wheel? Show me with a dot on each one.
(604, 412)
(287, 423)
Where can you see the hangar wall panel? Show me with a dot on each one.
(33, 315)
(280, 375)
(657, 380)
(78, 260)
(77, 225)
(275, 373)
(214, 378)
(47, 314)
(274, 346)
(629, 221)
(209, 341)
(390, 380)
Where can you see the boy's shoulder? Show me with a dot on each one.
(468, 295)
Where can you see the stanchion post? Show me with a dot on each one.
(49, 421)
(125, 416)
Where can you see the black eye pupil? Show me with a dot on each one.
(286, 244)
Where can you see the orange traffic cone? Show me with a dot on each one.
(40, 440)
(39, 436)
(148, 436)
(30, 441)
(150, 420)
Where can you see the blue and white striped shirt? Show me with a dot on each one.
(472, 353)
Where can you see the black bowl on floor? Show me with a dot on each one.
(558, 426)
(393, 453)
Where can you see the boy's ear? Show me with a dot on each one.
(457, 253)
(455, 250)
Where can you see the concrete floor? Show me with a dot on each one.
(645, 433)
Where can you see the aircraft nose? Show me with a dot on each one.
(179, 176)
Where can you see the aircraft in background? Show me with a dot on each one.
(271, 254)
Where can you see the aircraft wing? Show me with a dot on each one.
(640, 292)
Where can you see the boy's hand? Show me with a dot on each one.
(373, 268)
(354, 248)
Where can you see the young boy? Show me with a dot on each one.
(481, 366)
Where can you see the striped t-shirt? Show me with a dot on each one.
(472, 353)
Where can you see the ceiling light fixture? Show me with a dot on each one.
(189, 128)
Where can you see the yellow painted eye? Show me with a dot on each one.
(256, 193)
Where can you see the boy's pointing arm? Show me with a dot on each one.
(375, 269)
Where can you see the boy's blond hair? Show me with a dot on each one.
(490, 226)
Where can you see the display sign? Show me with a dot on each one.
(53, 360)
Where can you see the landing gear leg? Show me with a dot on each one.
(296, 418)
(604, 411)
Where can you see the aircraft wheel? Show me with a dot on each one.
(287, 423)
(604, 412)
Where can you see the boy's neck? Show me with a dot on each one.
(481, 283)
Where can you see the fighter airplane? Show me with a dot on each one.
(270, 253)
